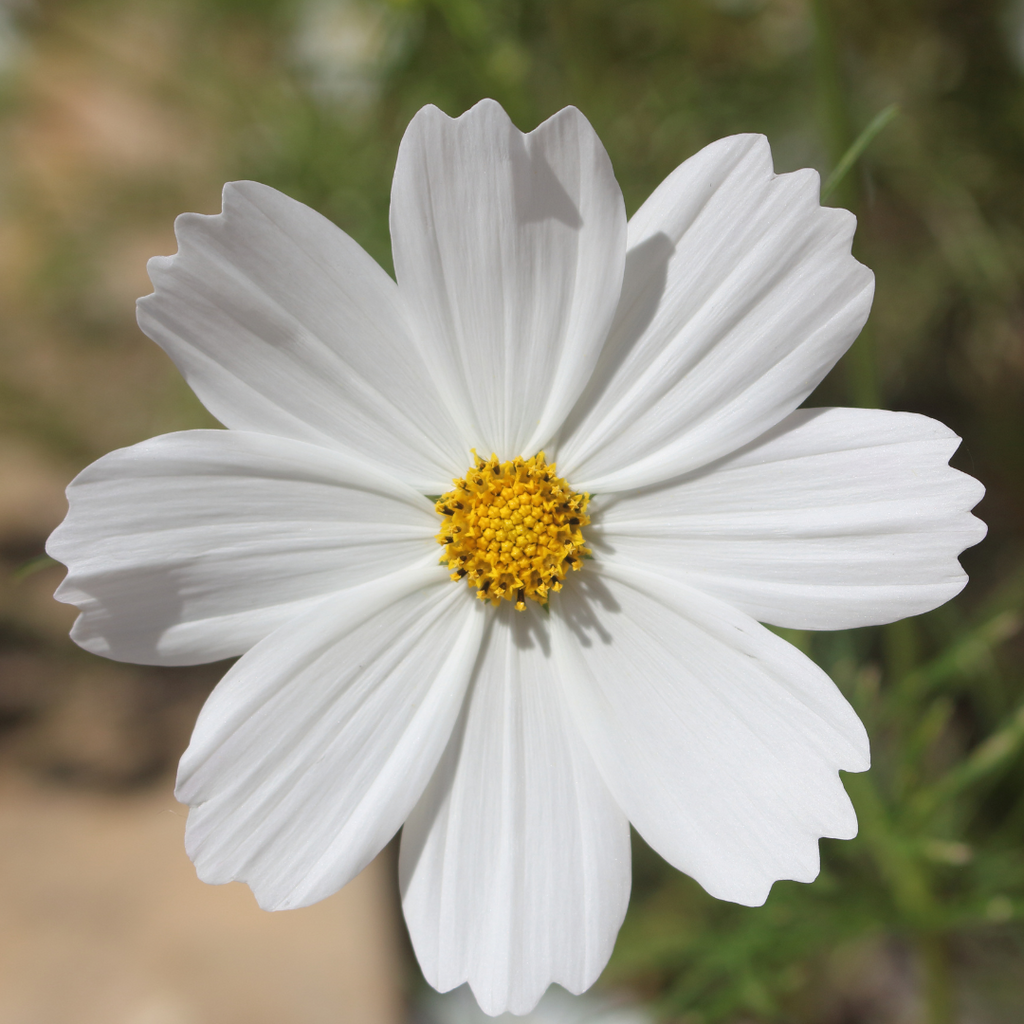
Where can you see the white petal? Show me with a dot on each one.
(719, 740)
(192, 547)
(281, 323)
(836, 518)
(515, 864)
(508, 251)
(740, 294)
(312, 750)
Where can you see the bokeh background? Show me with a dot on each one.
(115, 115)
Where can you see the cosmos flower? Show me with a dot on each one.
(599, 423)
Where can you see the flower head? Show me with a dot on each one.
(606, 663)
(512, 530)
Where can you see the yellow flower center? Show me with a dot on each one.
(512, 529)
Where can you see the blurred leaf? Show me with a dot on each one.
(856, 150)
(32, 566)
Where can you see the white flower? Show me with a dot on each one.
(661, 365)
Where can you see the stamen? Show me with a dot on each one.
(514, 531)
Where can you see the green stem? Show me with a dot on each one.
(861, 371)
(859, 363)
(937, 981)
(835, 114)
(894, 859)
(900, 644)
(911, 895)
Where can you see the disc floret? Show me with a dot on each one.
(512, 530)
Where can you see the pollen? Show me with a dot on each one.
(512, 530)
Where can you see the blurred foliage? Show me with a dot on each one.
(117, 114)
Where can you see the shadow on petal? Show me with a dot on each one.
(590, 613)
(643, 285)
(539, 195)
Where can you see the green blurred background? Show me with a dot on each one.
(118, 114)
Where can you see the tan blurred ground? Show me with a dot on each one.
(102, 920)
